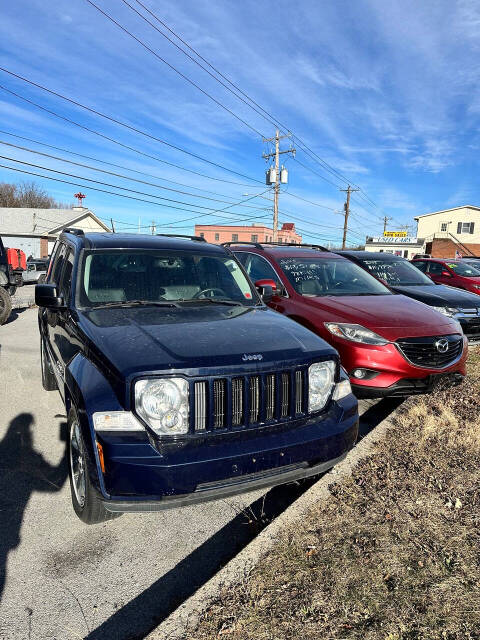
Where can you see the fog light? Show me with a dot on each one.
(359, 373)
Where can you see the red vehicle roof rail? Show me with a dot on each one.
(260, 245)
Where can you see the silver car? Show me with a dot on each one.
(36, 271)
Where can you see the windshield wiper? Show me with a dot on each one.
(135, 303)
(232, 303)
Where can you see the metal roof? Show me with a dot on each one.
(434, 213)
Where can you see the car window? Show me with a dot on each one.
(421, 265)
(330, 277)
(259, 269)
(57, 267)
(435, 268)
(242, 256)
(396, 272)
(120, 276)
(66, 283)
(462, 269)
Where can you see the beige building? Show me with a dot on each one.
(34, 231)
(451, 231)
(462, 222)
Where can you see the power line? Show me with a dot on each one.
(260, 110)
(264, 114)
(112, 164)
(316, 173)
(249, 101)
(120, 195)
(111, 173)
(117, 142)
(124, 124)
(170, 66)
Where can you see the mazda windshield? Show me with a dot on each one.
(465, 270)
(396, 272)
(135, 277)
(330, 277)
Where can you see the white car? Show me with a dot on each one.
(36, 271)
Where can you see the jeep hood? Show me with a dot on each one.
(146, 339)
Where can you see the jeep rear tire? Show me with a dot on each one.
(49, 382)
(5, 305)
(85, 500)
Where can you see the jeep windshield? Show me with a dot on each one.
(123, 277)
(330, 277)
(397, 272)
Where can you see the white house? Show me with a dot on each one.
(35, 230)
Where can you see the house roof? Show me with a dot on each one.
(434, 213)
(41, 222)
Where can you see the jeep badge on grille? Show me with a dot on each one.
(252, 356)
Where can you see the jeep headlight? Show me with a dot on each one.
(321, 378)
(163, 404)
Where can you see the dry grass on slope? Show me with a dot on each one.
(394, 554)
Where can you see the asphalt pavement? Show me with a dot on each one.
(61, 579)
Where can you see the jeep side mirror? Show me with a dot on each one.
(266, 288)
(46, 295)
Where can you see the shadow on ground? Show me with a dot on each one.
(22, 472)
(142, 614)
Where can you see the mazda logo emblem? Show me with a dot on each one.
(442, 345)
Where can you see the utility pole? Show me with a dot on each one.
(153, 228)
(386, 220)
(277, 174)
(346, 206)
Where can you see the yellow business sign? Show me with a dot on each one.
(395, 234)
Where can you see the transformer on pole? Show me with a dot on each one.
(276, 176)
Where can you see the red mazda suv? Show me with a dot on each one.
(390, 345)
(455, 273)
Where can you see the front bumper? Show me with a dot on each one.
(409, 387)
(227, 488)
(391, 367)
(141, 475)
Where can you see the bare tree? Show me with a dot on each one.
(28, 194)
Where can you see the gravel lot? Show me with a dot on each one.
(65, 580)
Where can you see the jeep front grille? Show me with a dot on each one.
(243, 401)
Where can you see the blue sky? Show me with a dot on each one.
(384, 92)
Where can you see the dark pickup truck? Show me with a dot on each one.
(180, 385)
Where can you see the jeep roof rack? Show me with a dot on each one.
(261, 245)
(178, 235)
(74, 231)
(258, 245)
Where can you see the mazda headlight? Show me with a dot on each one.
(163, 404)
(321, 379)
(355, 333)
(447, 311)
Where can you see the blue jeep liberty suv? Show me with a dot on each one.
(180, 384)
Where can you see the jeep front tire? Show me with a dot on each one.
(85, 500)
